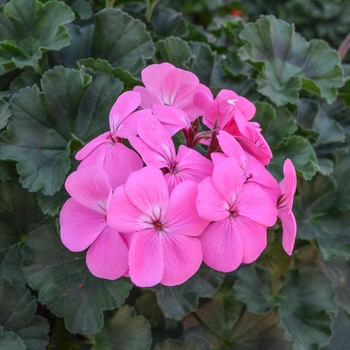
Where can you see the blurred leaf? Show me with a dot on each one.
(16, 218)
(4, 113)
(290, 62)
(311, 116)
(17, 315)
(10, 341)
(100, 65)
(82, 8)
(27, 78)
(344, 92)
(51, 204)
(167, 22)
(306, 299)
(191, 342)
(65, 284)
(23, 45)
(121, 40)
(301, 154)
(67, 106)
(174, 50)
(176, 302)
(254, 288)
(125, 331)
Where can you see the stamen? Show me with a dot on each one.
(158, 225)
(234, 213)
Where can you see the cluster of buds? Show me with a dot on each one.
(179, 179)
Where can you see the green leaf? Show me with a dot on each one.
(122, 40)
(277, 124)
(254, 288)
(290, 62)
(16, 218)
(4, 113)
(81, 7)
(306, 299)
(65, 284)
(51, 205)
(27, 78)
(191, 342)
(311, 116)
(167, 22)
(301, 154)
(176, 302)
(43, 30)
(10, 341)
(67, 106)
(125, 331)
(174, 50)
(100, 65)
(17, 315)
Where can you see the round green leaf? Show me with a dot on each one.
(17, 311)
(125, 331)
(65, 284)
(10, 341)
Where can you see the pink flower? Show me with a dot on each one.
(83, 224)
(165, 249)
(171, 86)
(285, 204)
(157, 149)
(240, 214)
(107, 151)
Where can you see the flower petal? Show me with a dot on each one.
(146, 258)
(80, 226)
(289, 227)
(90, 187)
(222, 246)
(108, 255)
(182, 258)
(91, 146)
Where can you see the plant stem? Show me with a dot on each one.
(150, 7)
(110, 3)
(344, 47)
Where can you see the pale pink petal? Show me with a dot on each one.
(90, 187)
(253, 238)
(253, 203)
(182, 258)
(288, 185)
(146, 258)
(123, 216)
(246, 107)
(147, 100)
(129, 126)
(210, 204)
(172, 180)
(222, 246)
(182, 217)
(199, 103)
(173, 119)
(92, 145)
(126, 103)
(80, 226)
(108, 255)
(289, 227)
(228, 179)
(231, 147)
(191, 165)
(117, 160)
(147, 190)
(218, 157)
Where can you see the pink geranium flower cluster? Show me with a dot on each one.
(156, 210)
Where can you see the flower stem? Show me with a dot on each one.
(344, 47)
(151, 4)
(110, 3)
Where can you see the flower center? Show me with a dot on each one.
(234, 212)
(158, 225)
(249, 176)
(173, 168)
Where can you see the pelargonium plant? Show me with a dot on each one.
(155, 211)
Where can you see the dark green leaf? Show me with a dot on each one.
(301, 154)
(65, 284)
(176, 302)
(17, 315)
(10, 341)
(254, 288)
(311, 116)
(167, 22)
(27, 78)
(306, 299)
(125, 331)
(4, 113)
(174, 50)
(82, 8)
(290, 62)
(192, 342)
(51, 204)
(122, 40)
(43, 30)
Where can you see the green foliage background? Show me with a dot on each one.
(62, 66)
